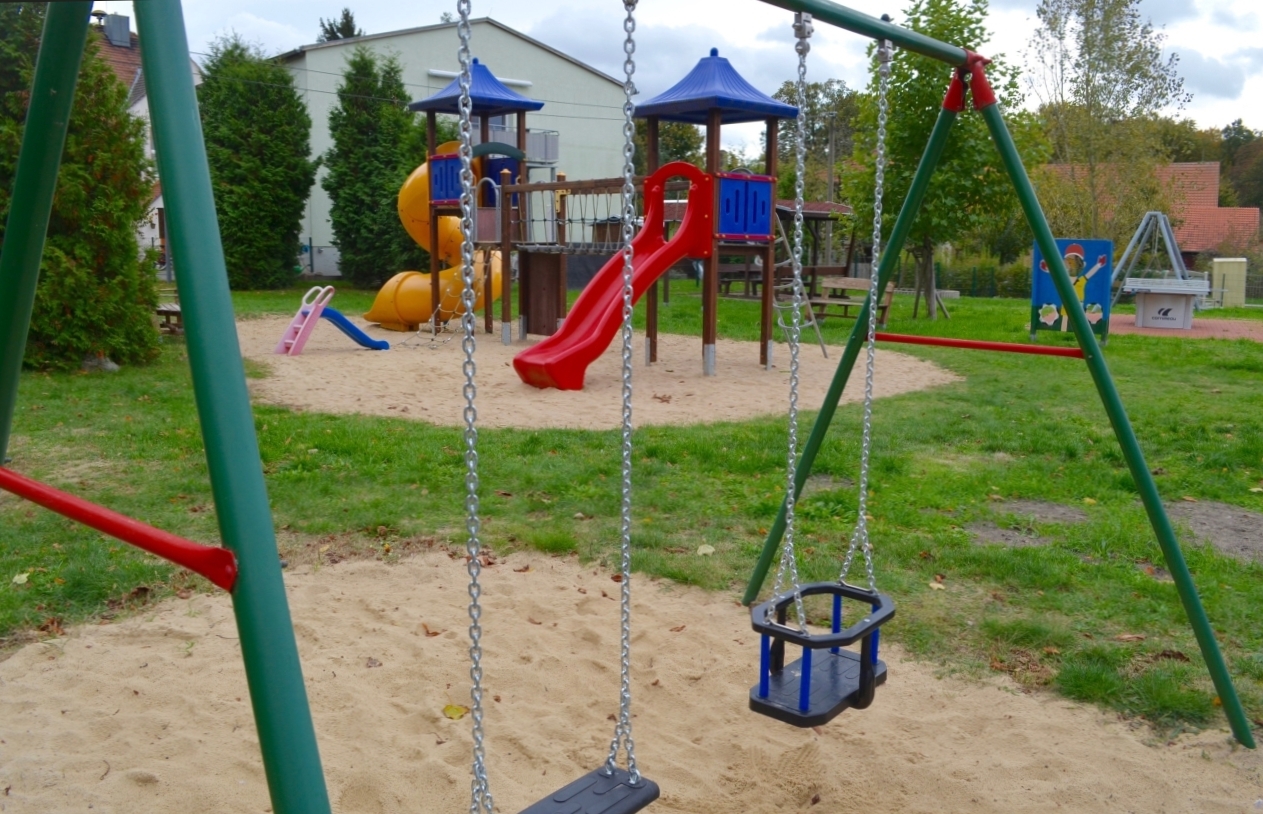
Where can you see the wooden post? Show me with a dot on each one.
(434, 270)
(523, 177)
(431, 139)
(506, 250)
(710, 281)
(767, 305)
(561, 239)
(652, 162)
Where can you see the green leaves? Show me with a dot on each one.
(96, 290)
(375, 146)
(258, 144)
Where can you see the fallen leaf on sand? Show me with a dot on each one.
(616, 578)
(582, 590)
(678, 629)
(705, 550)
(533, 622)
(455, 711)
(1130, 637)
(428, 632)
(372, 662)
(522, 570)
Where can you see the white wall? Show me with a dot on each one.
(585, 107)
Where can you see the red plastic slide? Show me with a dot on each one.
(562, 359)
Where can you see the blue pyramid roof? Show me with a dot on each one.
(489, 95)
(712, 84)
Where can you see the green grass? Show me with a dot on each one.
(1013, 427)
(285, 301)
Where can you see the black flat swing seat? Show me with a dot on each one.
(827, 680)
(599, 792)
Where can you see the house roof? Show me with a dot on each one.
(302, 49)
(714, 84)
(1206, 228)
(489, 96)
(123, 60)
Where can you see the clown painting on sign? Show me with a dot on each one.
(1091, 286)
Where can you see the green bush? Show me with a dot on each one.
(258, 139)
(96, 291)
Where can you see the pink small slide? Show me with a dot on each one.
(304, 322)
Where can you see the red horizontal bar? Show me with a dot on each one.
(216, 564)
(974, 344)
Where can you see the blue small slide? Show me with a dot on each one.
(347, 327)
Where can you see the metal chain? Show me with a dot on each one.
(480, 792)
(623, 729)
(860, 538)
(789, 560)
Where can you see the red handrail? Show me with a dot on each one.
(216, 564)
(974, 344)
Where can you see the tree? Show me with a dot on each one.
(96, 290)
(1247, 173)
(831, 109)
(343, 28)
(374, 149)
(677, 141)
(258, 141)
(1099, 71)
(969, 190)
(1236, 136)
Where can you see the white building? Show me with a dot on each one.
(578, 132)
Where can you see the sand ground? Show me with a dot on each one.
(151, 714)
(420, 380)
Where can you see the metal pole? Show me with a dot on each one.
(889, 259)
(1122, 428)
(826, 12)
(286, 735)
(47, 119)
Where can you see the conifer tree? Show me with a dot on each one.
(258, 141)
(96, 290)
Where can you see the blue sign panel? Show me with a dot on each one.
(1090, 264)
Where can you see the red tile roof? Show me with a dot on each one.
(1206, 228)
(1197, 183)
(124, 61)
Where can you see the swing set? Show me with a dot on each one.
(826, 680)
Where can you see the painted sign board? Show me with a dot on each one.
(1090, 264)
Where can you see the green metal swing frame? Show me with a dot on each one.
(278, 696)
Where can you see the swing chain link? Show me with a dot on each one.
(860, 537)
(623, 729)
(480, 791)
(789, 560)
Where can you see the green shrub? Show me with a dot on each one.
(96, 291)
(258, 139)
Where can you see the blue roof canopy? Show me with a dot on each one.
(489, 96)
(714, 84)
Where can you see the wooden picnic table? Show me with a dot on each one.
(838, 295)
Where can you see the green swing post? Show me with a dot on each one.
(287, 737)
(859, 335)
(1122, 426)
(44, 136)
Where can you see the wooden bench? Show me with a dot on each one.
(168, 310)
(841, 294)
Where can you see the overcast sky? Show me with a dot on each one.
(1219, 42)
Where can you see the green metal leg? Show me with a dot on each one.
(286, 735)
(52, 96)
(859, 335)
(1122, 428)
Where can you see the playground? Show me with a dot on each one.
(423, 382)
(434, 603)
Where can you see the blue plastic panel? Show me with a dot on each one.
(758, 207)
(444, 178)
(732, 205)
